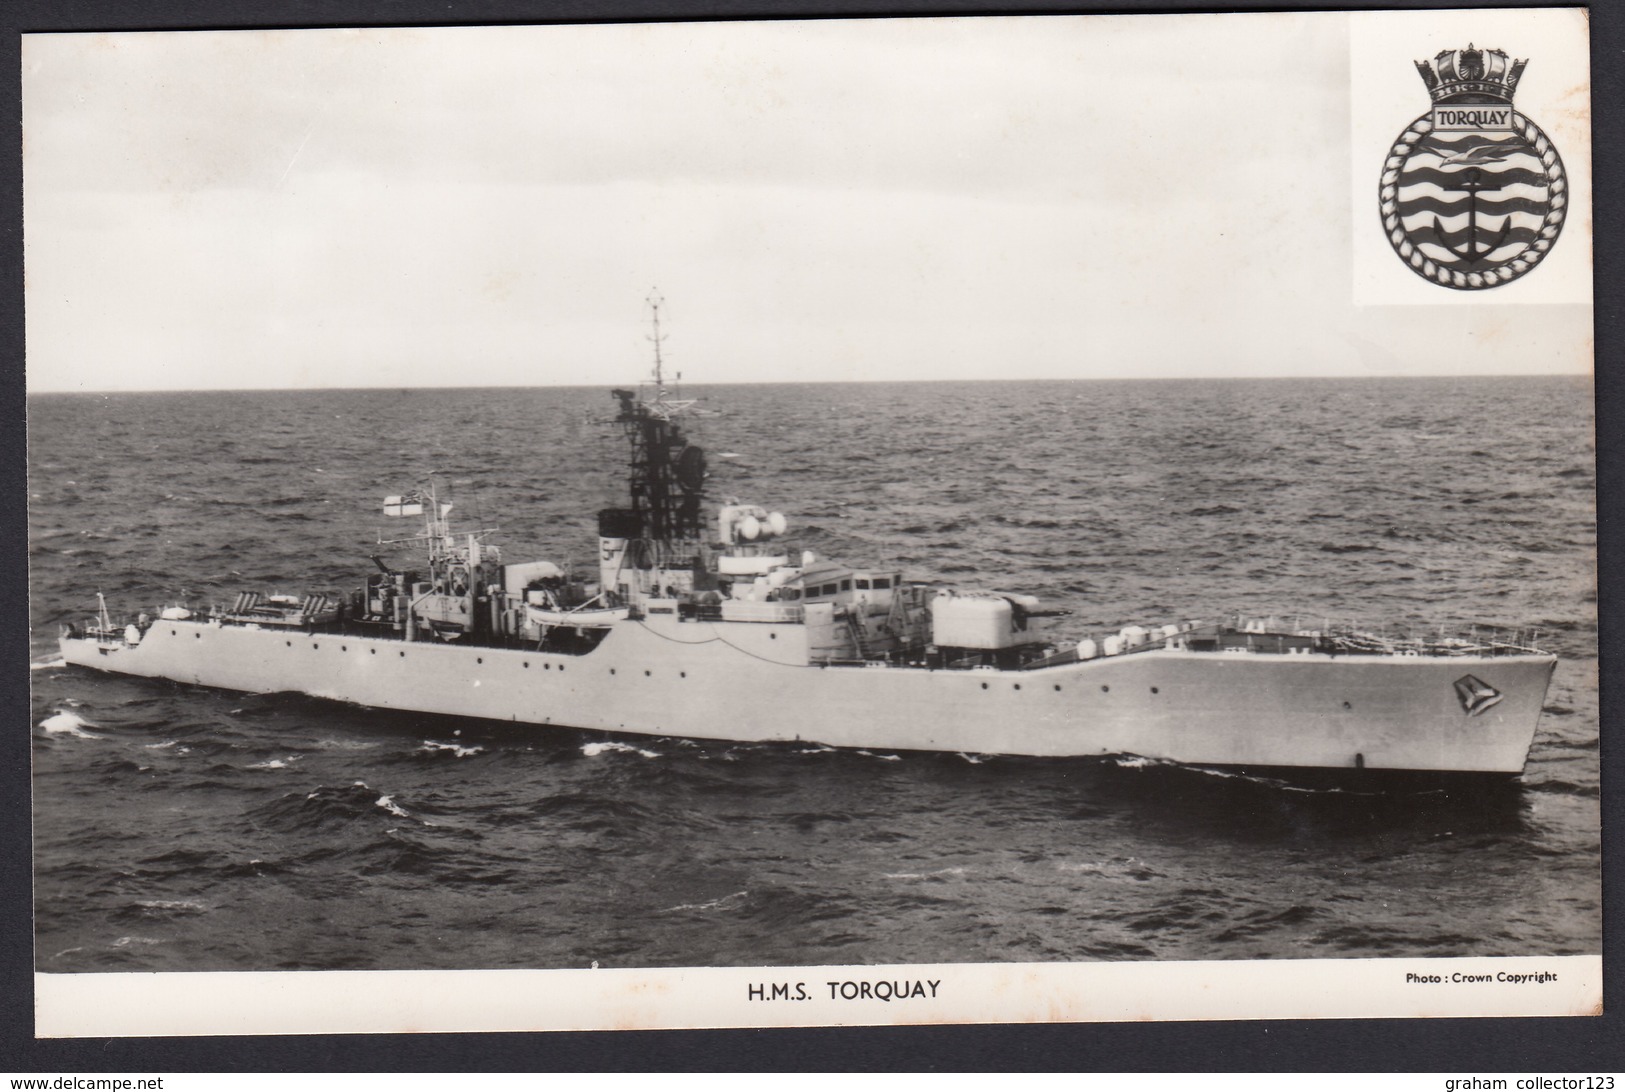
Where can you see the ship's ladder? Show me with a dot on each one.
(855, 625)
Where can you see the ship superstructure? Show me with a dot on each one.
(706, 621)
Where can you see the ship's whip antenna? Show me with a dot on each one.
(654, 302)
(658, 404)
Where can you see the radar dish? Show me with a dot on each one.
(691, 469)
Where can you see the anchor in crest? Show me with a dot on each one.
(1473, 182)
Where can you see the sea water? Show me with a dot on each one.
(179, 828)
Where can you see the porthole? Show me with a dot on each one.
(1057, 688)
(199, 636)
(646, 674)
(403, 654)
(547, 667)
(612, 671)
(1104, 688)
(313, 644)
(1018, 686)
(984, 686)
(682, 674)
(479, 659)
(1154, 690)
(344, 648)
(561, 667)
(772, 636)
(288, 643)
(1346, 705)
(526, 664)
(374, 651)
(172, 633)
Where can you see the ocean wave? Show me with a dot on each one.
(387, 802)
(68, 723)
(955, 872)
(1136, 762)
(325, 807)
(186, 906)
(726, 902)
(273, 763)
(435, 747)
(593, 750)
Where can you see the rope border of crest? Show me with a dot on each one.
(1507, 271)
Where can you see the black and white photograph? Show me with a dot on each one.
(806, 522)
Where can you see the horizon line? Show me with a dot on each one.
(1589, 374)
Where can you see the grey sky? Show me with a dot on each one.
(958, 198)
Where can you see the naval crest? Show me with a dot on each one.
(1473, 193)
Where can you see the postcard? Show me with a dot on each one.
(809, 523)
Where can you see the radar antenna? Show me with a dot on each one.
(656, 400)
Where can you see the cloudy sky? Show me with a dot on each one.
(911, 199)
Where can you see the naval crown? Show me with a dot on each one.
(1471, 75)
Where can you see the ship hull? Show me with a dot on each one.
(744, 683)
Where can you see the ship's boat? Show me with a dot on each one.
(717, 627)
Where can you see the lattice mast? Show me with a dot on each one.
(666, 473)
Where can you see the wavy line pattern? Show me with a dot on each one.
(1457, 140)
(1452, 139)
(1428, 189)
(1512, 161)
(1458, 206)
(1451, 180)
(1518, 236)
(1503, 155)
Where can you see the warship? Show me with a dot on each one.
(704, 621)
